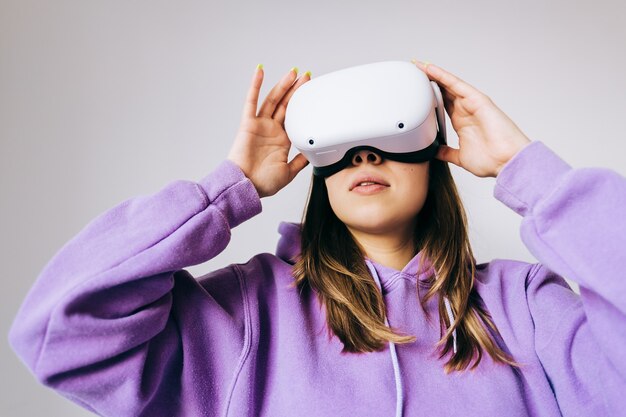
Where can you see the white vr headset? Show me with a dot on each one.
(390, 107)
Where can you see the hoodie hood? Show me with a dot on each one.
(288, 247)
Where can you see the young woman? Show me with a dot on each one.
(375, 306)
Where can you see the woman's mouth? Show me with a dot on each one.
(369, 186)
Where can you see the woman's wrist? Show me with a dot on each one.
(515, 149)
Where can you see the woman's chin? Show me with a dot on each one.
(379, 226)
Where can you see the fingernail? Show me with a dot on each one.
(308, 73)
(294, 69)
(426, 64)
(422, 63)
(260, 66)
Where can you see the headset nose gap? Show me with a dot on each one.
(366, 155)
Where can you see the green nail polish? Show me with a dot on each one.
(260, 66)
(295, 69)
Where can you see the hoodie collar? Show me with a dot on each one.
(288, 249)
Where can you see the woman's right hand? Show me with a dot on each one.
(261, 146)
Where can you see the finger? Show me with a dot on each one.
(422, 65)
(252, 98)
(277, 93)
(279, 114)
(448, 154)
(297, 164)
(447, 80)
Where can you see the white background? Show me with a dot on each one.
(103, 101)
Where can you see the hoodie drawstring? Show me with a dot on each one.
(451, 318)
(392, 346)
(392, 349)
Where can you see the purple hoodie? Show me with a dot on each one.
(116, 325)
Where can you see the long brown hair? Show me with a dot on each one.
(332, 263)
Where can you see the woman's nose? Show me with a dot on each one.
(366, 155)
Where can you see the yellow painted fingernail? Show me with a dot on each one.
(295, 69)
(425, 63)
(260, 66)
(308, 73)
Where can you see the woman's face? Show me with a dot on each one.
(375, 195)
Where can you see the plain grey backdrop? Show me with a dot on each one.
(103, 101)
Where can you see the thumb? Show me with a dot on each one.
(448, 154)
(297, 164)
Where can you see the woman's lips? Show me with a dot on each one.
(368, 184)
(369, 188)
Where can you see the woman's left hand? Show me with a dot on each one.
(488, 138)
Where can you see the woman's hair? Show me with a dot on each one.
(332, 263)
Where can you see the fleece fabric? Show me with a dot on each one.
(116, 324)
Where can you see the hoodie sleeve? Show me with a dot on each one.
(574, 223)
(100, 325)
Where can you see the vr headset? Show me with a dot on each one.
(390, 107)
